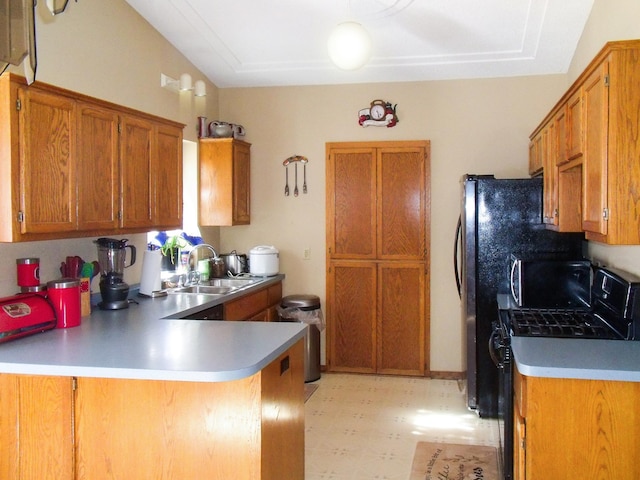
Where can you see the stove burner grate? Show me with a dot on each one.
(559, 323)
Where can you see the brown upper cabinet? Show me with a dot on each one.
(592, 183)
(75, 166)
(224, 178)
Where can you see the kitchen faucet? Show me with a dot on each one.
(193, 276)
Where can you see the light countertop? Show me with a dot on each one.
(147, 342)
(585, 359)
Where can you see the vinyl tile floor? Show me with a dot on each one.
(365, 427)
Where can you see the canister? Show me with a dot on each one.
(28, 270)
(64, 295)
(264, 260)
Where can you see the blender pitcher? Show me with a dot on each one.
(111, 257)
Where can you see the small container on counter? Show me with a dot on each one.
(64, 295)
(218, 269)
(28, 270)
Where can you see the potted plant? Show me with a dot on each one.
(171, 251)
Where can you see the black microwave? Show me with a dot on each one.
(550, 281)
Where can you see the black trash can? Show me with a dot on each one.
(305, 309)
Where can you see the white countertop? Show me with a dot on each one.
(140, 342)
(577, 358)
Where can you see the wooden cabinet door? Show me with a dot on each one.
(98, 186)
(152, 429)
(36, 427)
(241, 210)
(401, 318)
(535, 155)
(351, 210)
(353, 311)
(550, 175)
(283, 416)
(519, 444)
(402, 203)
(562, 148)
(136, 160)
(167, 179)
(224, 166)
(575, 126)
(47, 162)
(596, 119)
(570, 197)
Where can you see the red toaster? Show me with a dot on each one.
(25, 314)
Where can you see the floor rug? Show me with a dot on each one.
(436, 461)
(309, 388)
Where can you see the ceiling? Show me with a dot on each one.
(251, 43)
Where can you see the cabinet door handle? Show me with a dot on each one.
(284, 365)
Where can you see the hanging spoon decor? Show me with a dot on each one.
(295, 159)
(304, 162)
(286, 177)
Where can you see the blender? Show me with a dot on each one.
(111, 257)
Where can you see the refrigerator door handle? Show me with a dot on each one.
(456, 267)
(516, 296)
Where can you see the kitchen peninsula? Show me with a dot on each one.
(140, 393)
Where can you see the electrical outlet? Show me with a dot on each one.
(306, 254)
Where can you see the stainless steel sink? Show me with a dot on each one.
(232, 282)
(203, 290)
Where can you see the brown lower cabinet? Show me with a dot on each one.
(260, 305)
(570, 428)
(82, 428)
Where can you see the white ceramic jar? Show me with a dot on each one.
(264, 260)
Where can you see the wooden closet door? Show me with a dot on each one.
(351, 206)
(401, 312)
(352, 310)
(401, 210)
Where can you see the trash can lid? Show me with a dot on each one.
(306, 302)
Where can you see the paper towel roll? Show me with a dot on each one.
(150, 280)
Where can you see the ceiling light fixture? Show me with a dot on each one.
(184, 84)
(349, 46)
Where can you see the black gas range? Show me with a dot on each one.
(612, 312)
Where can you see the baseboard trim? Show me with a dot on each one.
(447, 375)
(431, 374)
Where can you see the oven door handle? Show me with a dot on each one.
(495, 340)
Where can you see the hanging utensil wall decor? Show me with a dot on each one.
(295, 160)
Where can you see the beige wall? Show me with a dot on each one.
(476, 126)
(106, 50)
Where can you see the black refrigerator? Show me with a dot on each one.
(498, 217)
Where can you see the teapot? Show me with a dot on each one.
(220, 129)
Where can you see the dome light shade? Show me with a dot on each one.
(349, 46)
